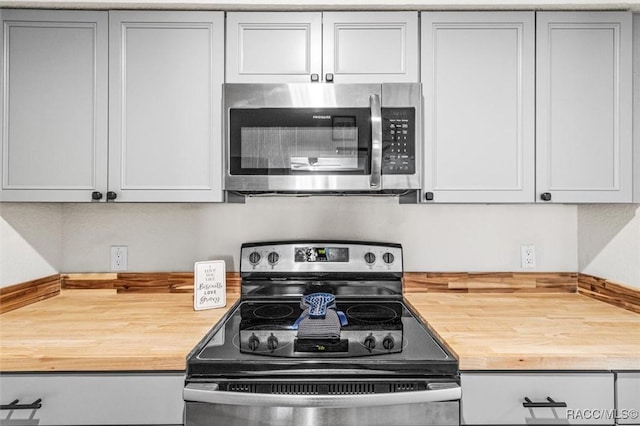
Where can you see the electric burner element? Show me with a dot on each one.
(273, 312)
(373, 314)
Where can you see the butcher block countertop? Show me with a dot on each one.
(101, 330)
(552, 331)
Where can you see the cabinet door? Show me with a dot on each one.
(165, 135)
(370, 47)
(628, 397)
(54, 105)
(584, 102)
(273, 47)
(152, 398)
(498, 398)
(478, 85)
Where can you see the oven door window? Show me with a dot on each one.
(290, 141)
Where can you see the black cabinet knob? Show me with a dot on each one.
(96, 195)
(545, 196)
(111, 196)
(328, 77)
(315, 78)
(428, 196)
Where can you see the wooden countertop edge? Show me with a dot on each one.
(94, 364)
(568, 363)
(467, 363)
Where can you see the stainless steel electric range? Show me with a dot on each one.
(321, 336)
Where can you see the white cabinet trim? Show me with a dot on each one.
(620, 24)
(120, 23)
(240, 22)
(97, 23)
(433, 24)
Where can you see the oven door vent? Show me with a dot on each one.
(402, 387)
(323, 387)
(294, 389)
(351, 388)
(242, 387)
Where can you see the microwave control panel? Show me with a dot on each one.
(398, 141)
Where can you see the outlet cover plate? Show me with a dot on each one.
(528, 256)
(119, 258)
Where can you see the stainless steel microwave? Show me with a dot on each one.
(322, 138)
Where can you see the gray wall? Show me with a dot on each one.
(30, 241)
(171, 237)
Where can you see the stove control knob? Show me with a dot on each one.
(254, 342)
(370, 258)
(388, 258)
(273, 258)
(388, 343)
(369, 342)
(254, 257)
(272, 342)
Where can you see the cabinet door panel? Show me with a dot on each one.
(166, 77)
(94, 399)
(497, 398)
(584, 87)
(628, 397)
(272, 47)
(478, 82)
(374, 47)
(55, 111)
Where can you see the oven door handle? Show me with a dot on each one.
(375, 182)
(209, 393)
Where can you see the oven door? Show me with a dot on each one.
(303, 137)
(297, 403)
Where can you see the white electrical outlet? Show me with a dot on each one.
(528, 256)
(119, 258)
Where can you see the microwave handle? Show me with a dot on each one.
(376, 142)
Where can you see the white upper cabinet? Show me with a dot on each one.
(165, 131)
(370, 47)
(584, 107)
(341, 47)
(273, 47)
(478, 84)
(54, 105)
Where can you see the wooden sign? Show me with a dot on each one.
(209, 285)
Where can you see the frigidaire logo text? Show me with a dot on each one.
(322, 117)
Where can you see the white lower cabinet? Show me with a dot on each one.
(628, 398)
(93, 398)
(525, 398)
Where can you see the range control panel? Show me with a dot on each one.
(321, 256)
(398, 141)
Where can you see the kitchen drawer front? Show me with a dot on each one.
(497, 398)
(628, 398)
(95, 399)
